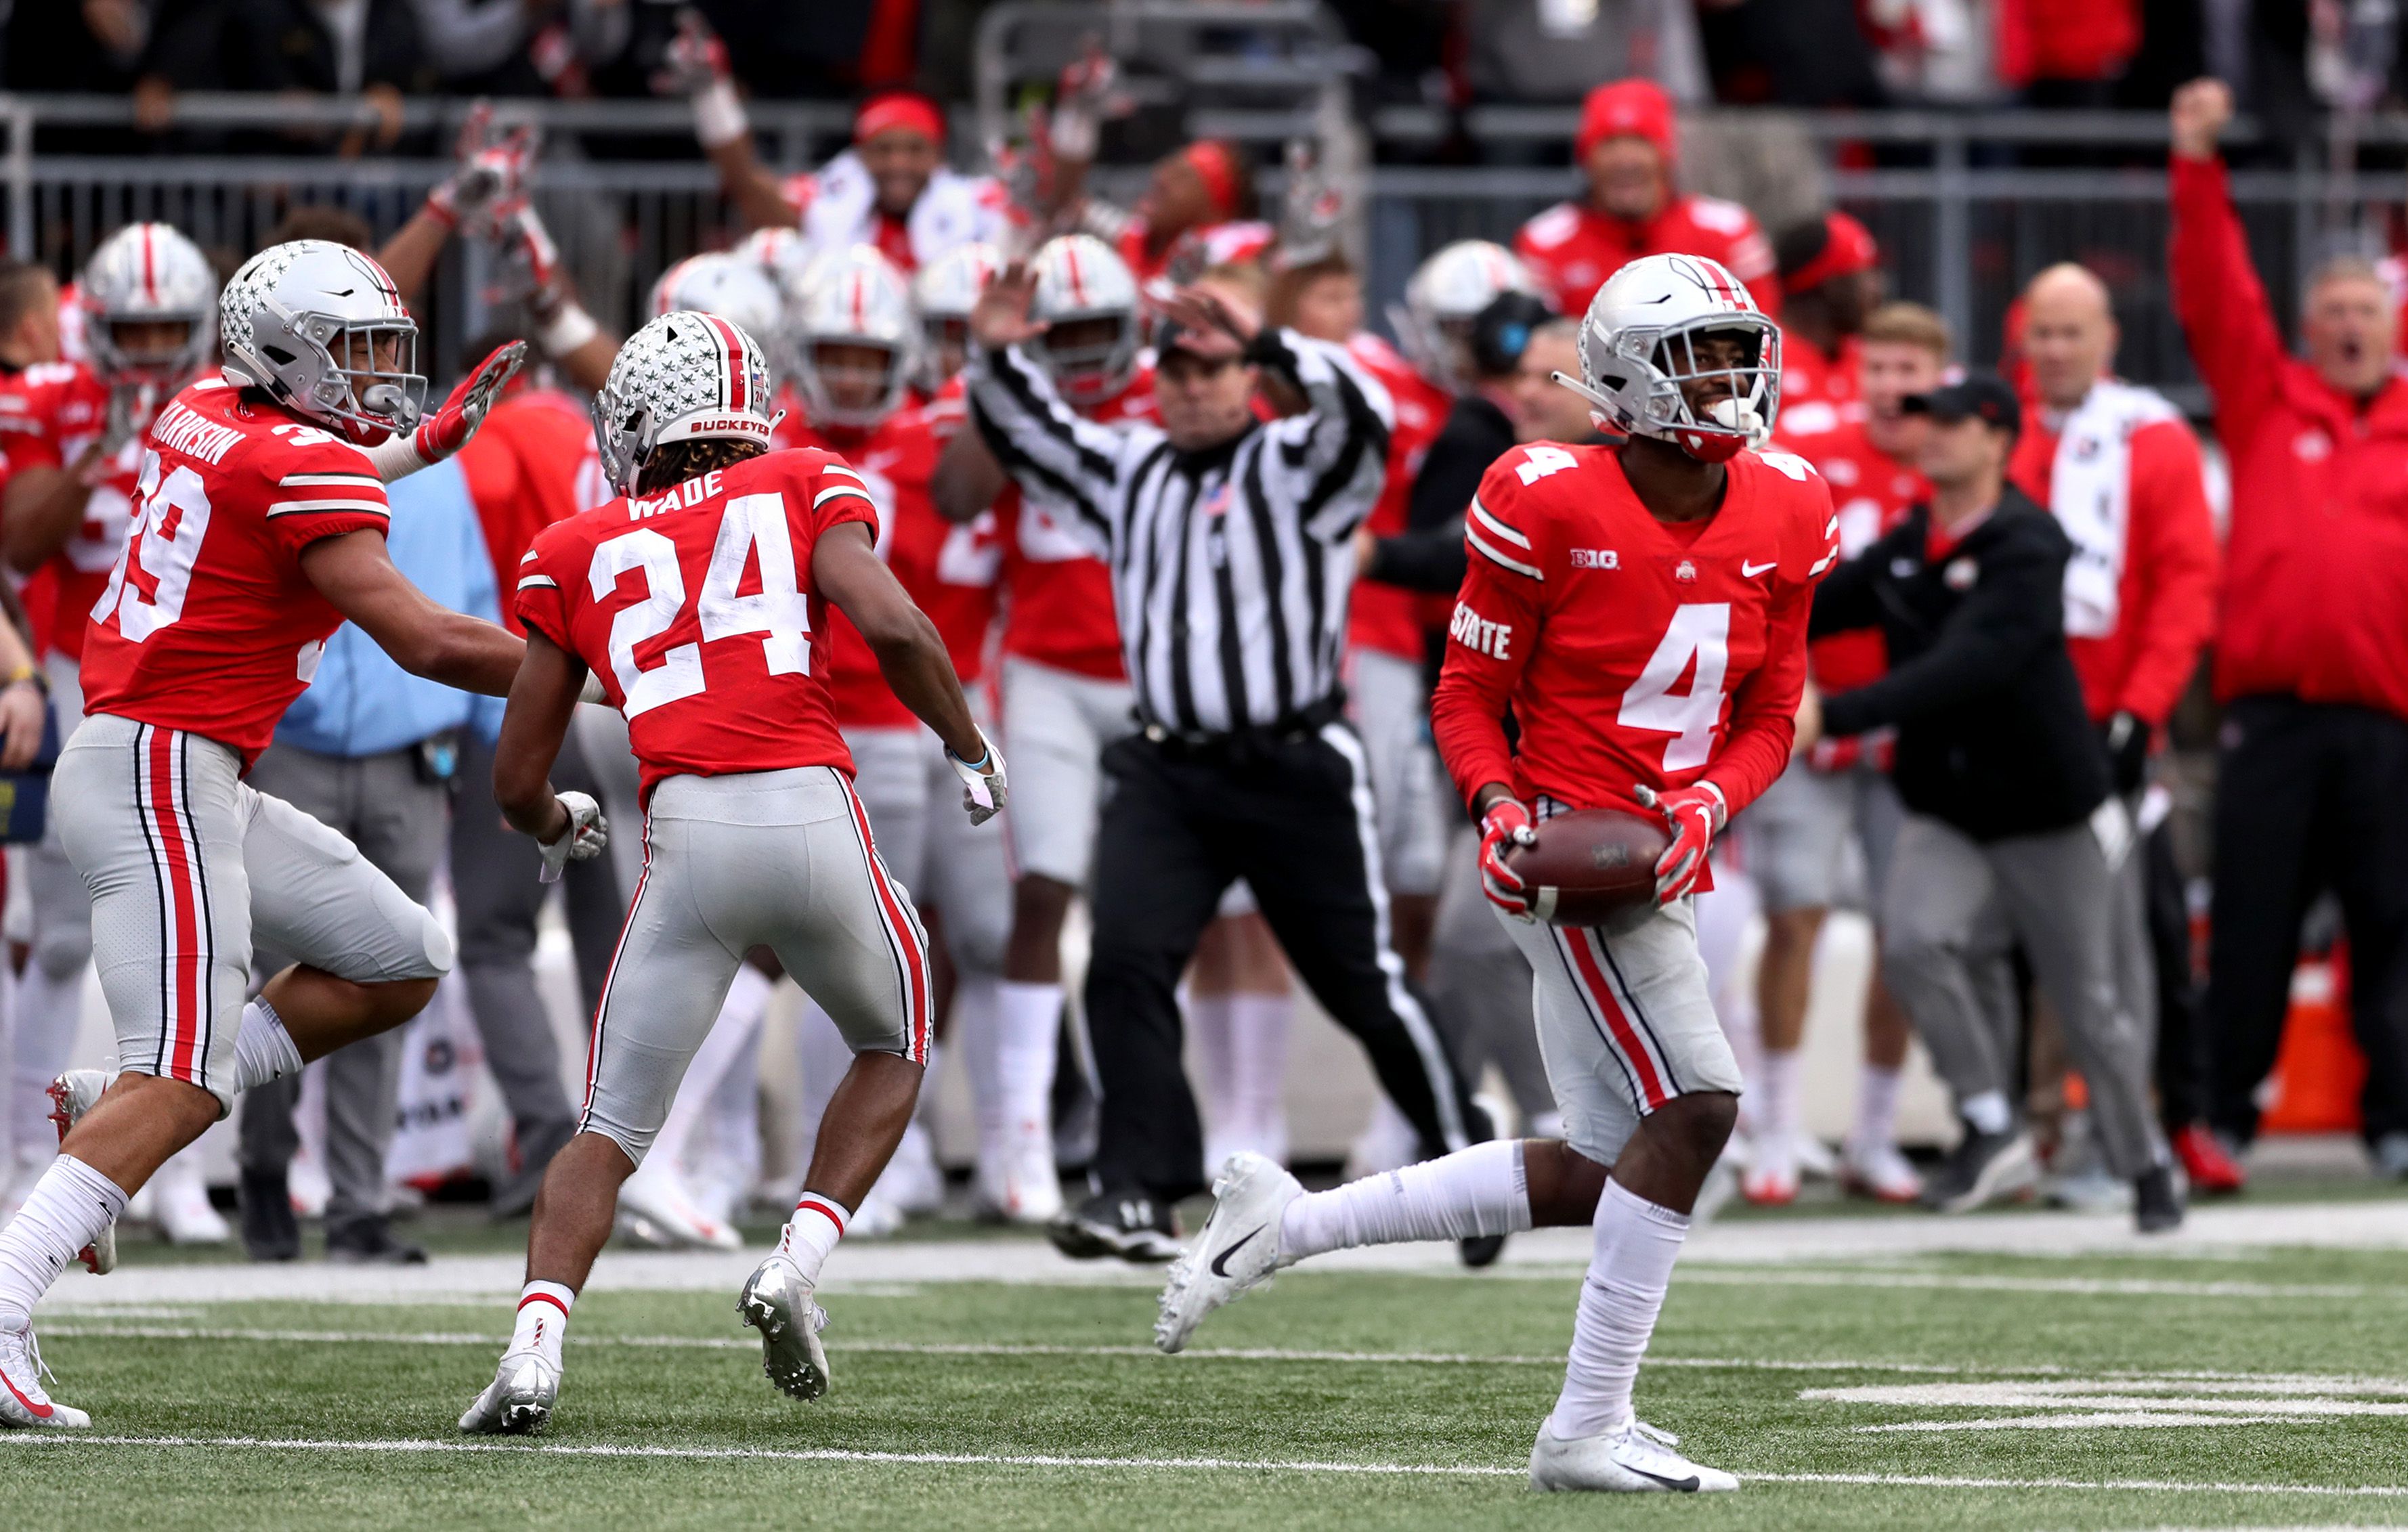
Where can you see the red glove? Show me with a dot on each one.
(1695, 813)
(490, 175)
(448, 430)
(1505, 825)
(527, 262)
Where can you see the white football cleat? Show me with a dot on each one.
(654, 1210)
(72, 1094)
(1812, 1157)
(912, 1178)
(1879, 1171)
(878, 1217)
(1032, 1187)
(518, 1402)
(1236, 1251)
(180, 1205)
(23, 1403)
(1636, 1460)
(777, 1302)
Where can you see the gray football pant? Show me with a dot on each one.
(1952, 913)
(398, 820)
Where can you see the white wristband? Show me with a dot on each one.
(396, 456)
(718, 115)
(566, 330)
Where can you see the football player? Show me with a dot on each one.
(753, 834)
(1066, 697)
(1642, 608)
(257, 528)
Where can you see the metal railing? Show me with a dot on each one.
(1962, 223)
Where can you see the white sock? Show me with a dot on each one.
(1258, 1031)
(1876, 1107)
(675, 1148)
(818, 1223)
(1028, 1027)
(1212, 1021)
(1987, 1111)
(1637, 1243)
(1776, 1106)
(263, 1049)
(1476, 1191)
(543, 1320)
(974, 1042)
(67, 1211)
(47, 1013)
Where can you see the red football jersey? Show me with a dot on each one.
(531, 464)
(206, 622)
(1386, 617)
(1630, 652)
(695, 607)
(1059, 594)
(53, 413)
(1818, 391)
(1572, 248)
(1871, 493)
(950, 571)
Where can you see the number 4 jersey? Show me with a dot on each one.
(1630, 652)
(695, 607)
(207, 624)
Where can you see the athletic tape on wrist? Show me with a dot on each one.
(565, 331)
(718, 116)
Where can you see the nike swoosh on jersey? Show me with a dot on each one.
(1221, 1262)
(1749, 571)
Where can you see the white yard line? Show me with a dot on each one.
(29, 1439)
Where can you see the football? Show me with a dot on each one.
(1591, 864)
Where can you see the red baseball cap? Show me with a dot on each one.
(1848, 248)
(1636, 108)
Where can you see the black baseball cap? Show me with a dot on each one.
(1977, 395)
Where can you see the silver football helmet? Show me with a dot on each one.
(149, 274)
(1640, 347)
(857, 304)
(683, 376)
(944, 292)
(1444, 297)
(321, 327)
(1087, 299)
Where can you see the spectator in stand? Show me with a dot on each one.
(368, 48)
(1542, 51)
(75, 45)
(2311, 641)
(2013, 831)
(2066, 52)
(892, 189)
(1795, 836)
(1628, 147)
(521, 47)
(2120, 469)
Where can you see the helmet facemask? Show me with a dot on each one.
(369, 379)
(1641, 384)
(1089, 356)
(843, 387)
(166, 366)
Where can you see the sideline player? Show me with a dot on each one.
(146, 300)
(700, 601)
(258, 529)
(1604, 579)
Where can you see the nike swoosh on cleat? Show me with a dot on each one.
(1688, 1483)
(42, 1411)
(1221, 1262)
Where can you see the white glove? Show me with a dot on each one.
(984, 788)
(588, 832)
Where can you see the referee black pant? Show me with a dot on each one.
(1290, 813)
(2309, 796)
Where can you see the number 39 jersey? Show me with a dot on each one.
(1630, 652)
(695, 609)
(206, 622)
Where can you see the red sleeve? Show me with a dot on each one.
(2218, 297)
(835, 493)
(1764, 711)
(538, 599)
(30, 439)
(1498, 613)
(319, 489)
(2174, 533)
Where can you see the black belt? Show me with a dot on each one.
(1253, 740)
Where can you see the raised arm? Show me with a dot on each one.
(967, 479)
(1341, 441)
(1057, 455)
(2218, 295)
(697, 67)
(356, 574)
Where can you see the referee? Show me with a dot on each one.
(1230, 546)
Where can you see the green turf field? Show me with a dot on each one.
(2204, 1387)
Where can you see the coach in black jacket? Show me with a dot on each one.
(2012, 833)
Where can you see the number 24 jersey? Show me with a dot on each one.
(1629, 652)
(696, 610)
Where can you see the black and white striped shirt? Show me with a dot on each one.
(1230, 565)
